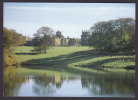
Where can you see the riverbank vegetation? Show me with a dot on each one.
(11, 39)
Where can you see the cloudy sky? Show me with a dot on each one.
(69, 18)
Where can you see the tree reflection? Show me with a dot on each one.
(110, 83)
(47, 85)
(105, 84)
(12, 83)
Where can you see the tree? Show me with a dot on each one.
(74, 42)
(8, 55)
(71, 42)
(78, 42)
(43, 39)
(11, 39)
(18, 39)
(132, 44)
(8, 38)
(113, 35)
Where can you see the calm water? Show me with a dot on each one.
(107, 84)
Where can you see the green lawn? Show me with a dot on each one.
(24, 53)
(68, 59)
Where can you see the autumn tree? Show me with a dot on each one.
(8, 55)
(43, 39)
(18, 39)
(11, 39)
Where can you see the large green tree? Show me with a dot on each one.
(43, 39)
(113, 35)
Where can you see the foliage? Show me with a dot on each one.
(43, 39)
(9, 58)
(114, 35)
(11, 39)
(8, 55)
(8, 38)
(74, 41)
(18, 39)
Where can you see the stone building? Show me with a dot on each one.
(60, 40)
(84, 37)
(59, 34)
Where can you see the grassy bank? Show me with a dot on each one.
(69, 59)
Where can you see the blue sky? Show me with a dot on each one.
(69, 18)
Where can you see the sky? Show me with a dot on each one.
(69, 18)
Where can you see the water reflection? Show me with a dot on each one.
(117, 84)
(11, 83)
(44, 85)
(110, 84)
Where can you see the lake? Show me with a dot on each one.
(120, 83)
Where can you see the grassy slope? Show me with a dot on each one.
(67, 59)
(26, 53)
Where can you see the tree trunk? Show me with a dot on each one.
(45, 51)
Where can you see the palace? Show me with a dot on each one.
(60, 40)
(84, 37)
